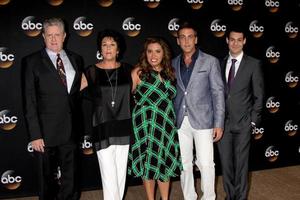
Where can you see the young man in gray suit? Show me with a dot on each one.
(243, 77)
(200, 109)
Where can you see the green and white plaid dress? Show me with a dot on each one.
(154, 153)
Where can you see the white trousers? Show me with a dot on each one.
(204, 160)
(113, 169)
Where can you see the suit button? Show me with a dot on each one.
(185, 93)
(183, 106)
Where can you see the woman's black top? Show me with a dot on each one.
(109, 90)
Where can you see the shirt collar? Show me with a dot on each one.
(238, 58)
(54, 54)
(194, 56)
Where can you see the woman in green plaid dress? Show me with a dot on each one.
(154, 154)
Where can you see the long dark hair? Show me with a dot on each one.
(167, 71)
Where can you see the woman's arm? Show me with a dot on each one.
(135, 78)
(84, 82)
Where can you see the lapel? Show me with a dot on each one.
(239, 74)
(75, 67)
(177, 68)
(48, 63)
(197, 67)
(223, 72)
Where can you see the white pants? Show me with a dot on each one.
(204, 160)
(113, 169)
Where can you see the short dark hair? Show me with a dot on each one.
(237, 29)
(116, 36)
(186, 24)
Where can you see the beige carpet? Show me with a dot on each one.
(273, 184)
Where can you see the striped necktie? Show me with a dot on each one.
(61, 70)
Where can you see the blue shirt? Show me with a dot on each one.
(186, 71)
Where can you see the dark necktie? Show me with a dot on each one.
(61, 70)
(231, 73)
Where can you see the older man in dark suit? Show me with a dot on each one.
(243, 78)
(51, 89)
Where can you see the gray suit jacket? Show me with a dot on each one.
(244, 101)
(204, 97)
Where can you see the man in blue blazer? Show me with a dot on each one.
(52, 78)
(200, 110)
(243, 78)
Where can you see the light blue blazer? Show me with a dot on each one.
(203, 101)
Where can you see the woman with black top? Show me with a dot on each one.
(109, 88)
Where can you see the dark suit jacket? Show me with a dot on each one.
(50, 111)
(244, 101)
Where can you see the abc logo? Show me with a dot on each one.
(6, 58)
(99, 56)
(290, 128)
(256, 30)
(105, 3)
(130, 27)
(273, 5)
(31, 27)
(87, 145)
(4, 2)
(29, 148)
(10, 180)
(7, 122)
(57, 174)
(55, 2)
(271, 153)
(196, 4)
(82, 27)
(152, 3)
(291, 80)
(258, 133)
(291, 30)
(272, 54)
(235, 4)
(272, 105)
(217, 28)
(173, 26)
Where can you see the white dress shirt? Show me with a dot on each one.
(237, 64)
(70, 72)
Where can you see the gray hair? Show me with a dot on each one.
(54, 22)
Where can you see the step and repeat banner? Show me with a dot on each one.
(272, 36)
